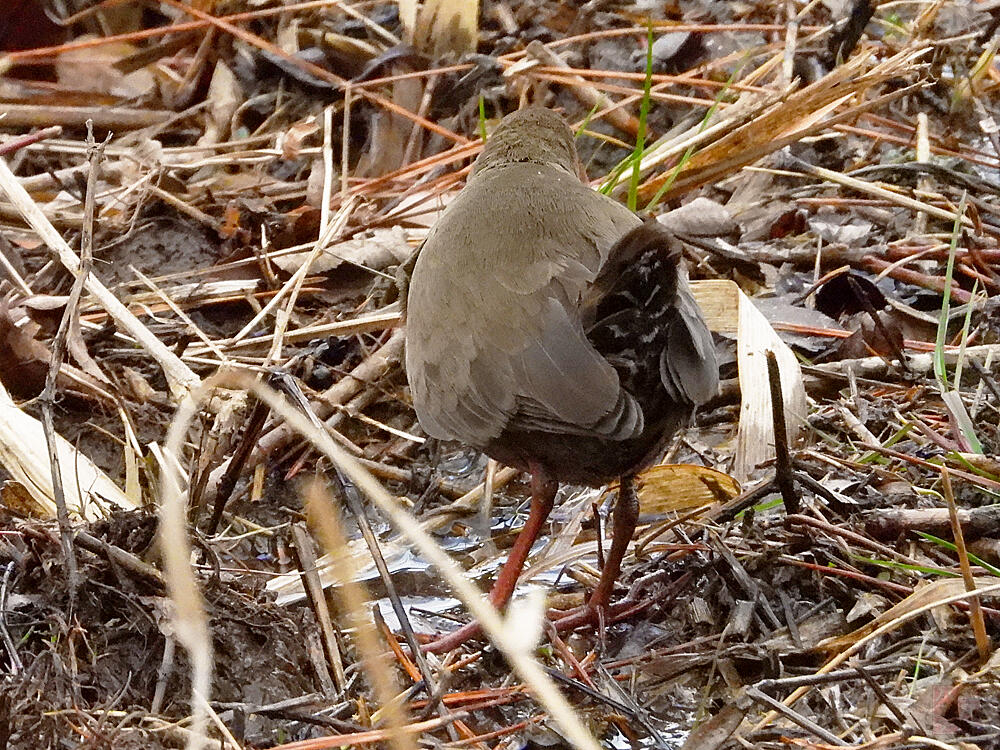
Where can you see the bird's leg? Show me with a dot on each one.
(598, 608)
(543, 494)
(625, 519)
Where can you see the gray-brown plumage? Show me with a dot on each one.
(549, 327)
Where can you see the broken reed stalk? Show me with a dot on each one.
(303, 546)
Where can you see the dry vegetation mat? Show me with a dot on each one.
(221, 522)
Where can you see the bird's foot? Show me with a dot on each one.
(543, 494)
(562, 621)
(454, 639)
(599, 614)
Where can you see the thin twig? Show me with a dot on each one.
(796, 717)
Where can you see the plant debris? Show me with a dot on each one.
(197, 199)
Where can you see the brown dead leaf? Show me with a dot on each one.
(716, 730)
(292, 141)
(93, 69)
(922, 597)
(23, 359)
(15, 498)
(672, 487)
(225, 96)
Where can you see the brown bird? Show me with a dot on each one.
(549, 327)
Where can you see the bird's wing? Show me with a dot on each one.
(688, 364)
(567, 387)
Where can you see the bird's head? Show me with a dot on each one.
(534, 135)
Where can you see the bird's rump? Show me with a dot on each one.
(643, 320)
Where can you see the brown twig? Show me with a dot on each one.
(975, 608)
(15, 144)
(234, 468)
(784, 477)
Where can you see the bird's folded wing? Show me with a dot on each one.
(688, 365)
(566, 386)
(557, 382)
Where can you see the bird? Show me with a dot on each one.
(552, 328)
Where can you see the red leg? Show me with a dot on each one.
(625, 520)
(543, 493)
(598, 606)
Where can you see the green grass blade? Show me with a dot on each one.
(482, 118)
(928, 570)
(586, 121)
(940, 371)
(991, 569)
(640, 137)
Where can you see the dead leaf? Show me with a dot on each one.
(921, 597)
(225, 96)
(291, 142)
(673, 487)
(717, 730)
(93, 69)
